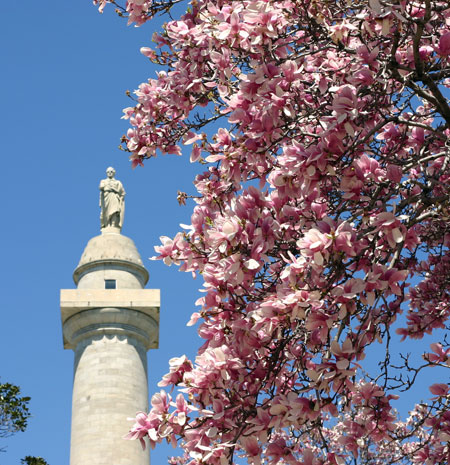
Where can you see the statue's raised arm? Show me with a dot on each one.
(112, 201)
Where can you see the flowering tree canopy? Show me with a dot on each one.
(322, 215)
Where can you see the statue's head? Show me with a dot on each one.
(110, 172)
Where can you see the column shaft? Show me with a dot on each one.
(110, 385)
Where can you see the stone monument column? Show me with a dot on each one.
(110, 321)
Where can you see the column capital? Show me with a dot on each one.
(89, 312)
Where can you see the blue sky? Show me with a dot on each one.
(64, 72)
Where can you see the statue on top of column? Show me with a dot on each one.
(112, 201)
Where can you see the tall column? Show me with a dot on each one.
(110, 322)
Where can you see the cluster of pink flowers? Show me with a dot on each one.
(137, 11)
(322, 214)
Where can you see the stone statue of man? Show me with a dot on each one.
(112, 201)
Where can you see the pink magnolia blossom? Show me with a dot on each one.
(320, 229)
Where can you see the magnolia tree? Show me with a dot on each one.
(321, 228)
